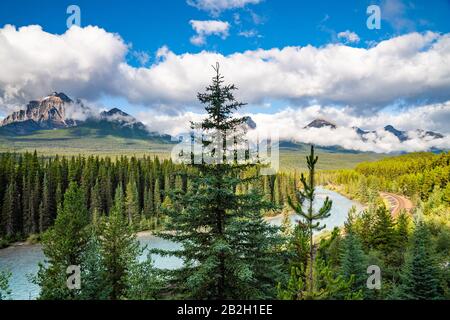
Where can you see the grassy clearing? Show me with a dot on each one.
(291, 160)
(72, 142)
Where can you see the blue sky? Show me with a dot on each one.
(293, 59)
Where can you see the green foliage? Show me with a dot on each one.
(64, 245)
(330, 248)
(311, 218)
(143, 281)
(5, 292)
(119, 249)
(420, 278)
(227, 248)
(93, 285)
(316, 277)
(132, 204)
(415, 175)
(353, 262)
(32, 188)
(298, 247)
(327, 285)
(383, 232)
(10, 219)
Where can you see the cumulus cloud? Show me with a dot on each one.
(207, 28)
(80, 112)
(290, 124)
(215, 7)
(91, 62)
(80, 62)
(293, 123)
(348, 36)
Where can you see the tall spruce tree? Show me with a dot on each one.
(353, 260)
(420, 276)
(96, 203)
(45, 212)
(311, 218)
(383, 233)
(226, 246)
(400, 243)
(119, 249)
(64, 245)
(157, 199)
(10, 219)
(132, 204)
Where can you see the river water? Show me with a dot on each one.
(22, 261)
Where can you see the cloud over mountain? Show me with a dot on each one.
(90, 62)
(292, 124)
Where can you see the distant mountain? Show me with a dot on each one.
(402, 136)
(55, 112)
(46, 113)
(115, 122)
(320, 123)
(429, 134)
(250, 123)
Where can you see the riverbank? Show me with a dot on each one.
(322, 192)
(339, 189)
(22, 260)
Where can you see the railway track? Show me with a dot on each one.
(397, 203)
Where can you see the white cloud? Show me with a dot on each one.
(207, 28)
(215, 7)
(293, 121)
(81, 62)
(290, 124)
(80, 112)
(348, 36)
(169, 124)
(90, 62)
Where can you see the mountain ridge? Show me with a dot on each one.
(52, 113)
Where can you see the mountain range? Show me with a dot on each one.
(363, 134)
(60, 114)
(58, 111)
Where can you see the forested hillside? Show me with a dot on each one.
(87, 210)
(412, 248)
(32, 188)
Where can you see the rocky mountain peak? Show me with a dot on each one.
(46, 113)
(321, 123)
(401, 135)
(116, 111)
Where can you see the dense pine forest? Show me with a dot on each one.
(32, 188)
(417, 176)
(86, 212)
(413, 247)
